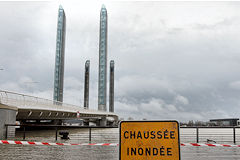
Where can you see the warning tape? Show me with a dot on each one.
(208, 144)
(56, 144)
(104, 144)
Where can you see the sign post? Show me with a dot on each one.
(148, 140)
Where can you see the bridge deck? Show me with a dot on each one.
(30, 107)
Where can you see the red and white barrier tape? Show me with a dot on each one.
(56, 144)
(104, 144)
(209, 145)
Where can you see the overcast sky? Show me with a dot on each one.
(173, 60)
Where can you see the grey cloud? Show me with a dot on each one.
(173, 61)
(235, 85)
(181, 99)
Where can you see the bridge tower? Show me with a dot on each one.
(102, 79)
(86, 84)
(111, 87)
(59, 59)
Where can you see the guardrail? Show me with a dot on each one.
(198, 134)
(57, 127)
(26, 101)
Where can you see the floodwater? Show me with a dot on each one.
(23, 152)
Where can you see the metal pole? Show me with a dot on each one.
(234, 135)
(56, 133)
(6, 132)
(197, 136)
(24, 130)
(90, 138)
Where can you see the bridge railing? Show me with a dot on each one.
(23, 101)
(26, 101)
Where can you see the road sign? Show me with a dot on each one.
(147, 140)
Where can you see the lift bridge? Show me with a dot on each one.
(30, 108)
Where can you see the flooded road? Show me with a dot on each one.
(23, 152)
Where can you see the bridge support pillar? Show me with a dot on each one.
(103, 121)
(7, 116)
(85, 123)
(57, 122)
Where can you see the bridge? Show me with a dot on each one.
(20, 107)
(24, 108)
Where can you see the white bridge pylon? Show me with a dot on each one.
(47, 108)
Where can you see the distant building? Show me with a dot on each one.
(59, 59)
(225, 122)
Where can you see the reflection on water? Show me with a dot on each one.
(22, 152)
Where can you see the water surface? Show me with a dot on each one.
(23, 152)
